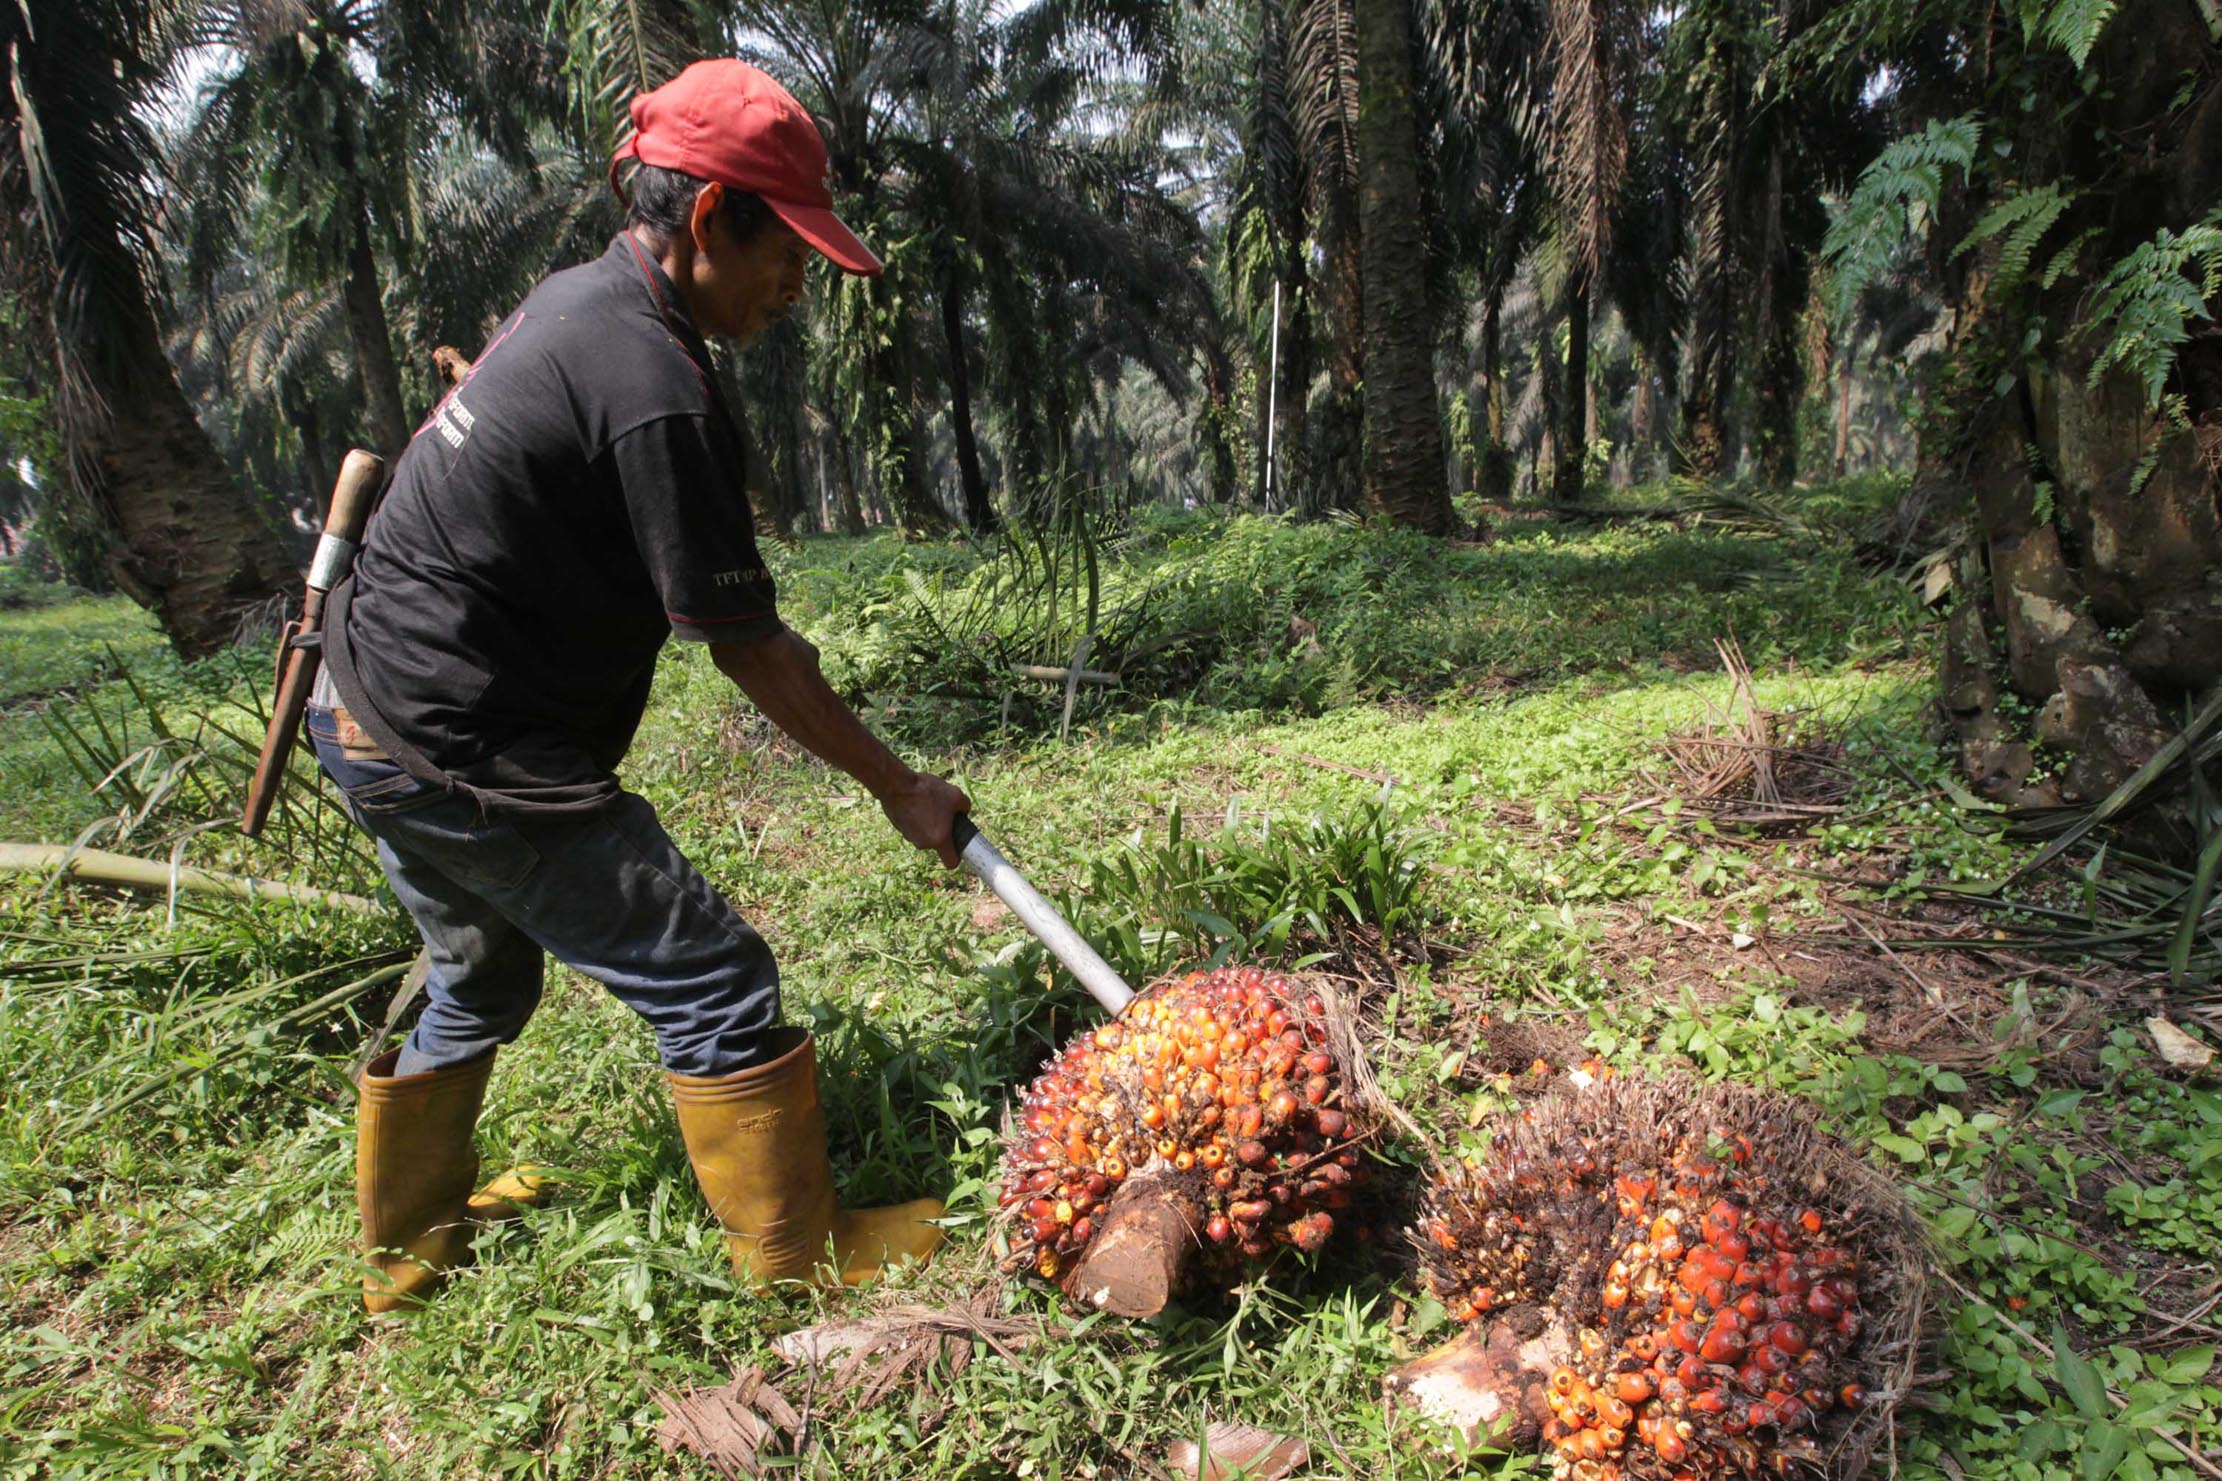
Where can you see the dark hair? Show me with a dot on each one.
(663, 201)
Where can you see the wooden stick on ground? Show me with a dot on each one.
(102, 867)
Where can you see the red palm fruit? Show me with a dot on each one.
(1672, 1448)
(1823, 1302)
(1562, 1381)
(1082, 1231)
(1722, 1346)
(1788, 1338)
(1616, 1414)
(1851, 1396)
(1751, 1305)
(1249, 1211)
(1043, 1230)
(1716, 1294)
(1252, 1154)
(1223, 1177)
(1686, 1335)
(1280, 1108)
(1219, 1230)
(1310, 1233)
(1760, 1415)
(1632, 1388)
(1810, 1221)
(1331, 1123)
(1708, 1402)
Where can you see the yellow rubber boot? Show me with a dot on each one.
(414, 1171)
(758, 1144)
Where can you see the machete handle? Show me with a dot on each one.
(962, 830)
(360, 475)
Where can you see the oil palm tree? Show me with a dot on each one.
(1405, 476)
(183, 537)
(323, 112)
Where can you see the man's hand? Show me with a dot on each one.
(780, 673)
(924, 810)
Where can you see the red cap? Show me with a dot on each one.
(728, 122)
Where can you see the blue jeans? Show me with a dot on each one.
(606, 893)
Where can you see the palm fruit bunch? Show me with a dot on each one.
(1713, 1268)
(1221, 1086)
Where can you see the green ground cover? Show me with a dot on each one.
(52, 639)
(176, 1270)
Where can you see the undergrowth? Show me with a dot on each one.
(1434, 806)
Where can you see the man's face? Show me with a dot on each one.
(741, 289)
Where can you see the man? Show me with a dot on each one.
(575, 501)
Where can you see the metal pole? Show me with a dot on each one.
(1273, 396)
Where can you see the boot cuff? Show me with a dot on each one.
(381, 1085)
(790, 1052)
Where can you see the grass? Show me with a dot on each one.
(51, 640)
(178, 1279)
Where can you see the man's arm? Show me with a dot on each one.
(780, 676)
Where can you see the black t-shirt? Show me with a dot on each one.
(576, 500)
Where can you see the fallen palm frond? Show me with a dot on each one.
(742, 1427)
(1754, 767)
(99, 866)
(1735, 510)
(2126, 903)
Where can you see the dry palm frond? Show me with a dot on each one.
(1594, 52)
(1756, 767)
(847, 1366)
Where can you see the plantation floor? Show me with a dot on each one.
(177, 1283)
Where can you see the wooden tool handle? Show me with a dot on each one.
(359, 476)
(352, 497)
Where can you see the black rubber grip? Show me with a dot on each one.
(962, 832)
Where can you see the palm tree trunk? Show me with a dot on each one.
(901, 461)
(190, 546)
(979, 514)
(1404, 471)
(1572, 442)
(1219, 421)
(1495, 483)
(848, 509)
(1843, 413)
(384, 422)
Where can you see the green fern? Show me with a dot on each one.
(2147, 303)
(2072, 25)
(2023, 219)
(1896, 193)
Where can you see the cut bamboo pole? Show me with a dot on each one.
(102, 867)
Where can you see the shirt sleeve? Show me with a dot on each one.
(682, 482)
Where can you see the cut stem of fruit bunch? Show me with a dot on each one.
(1207, 1127)
(1667, 1281)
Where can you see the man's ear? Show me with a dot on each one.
(706, 203)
